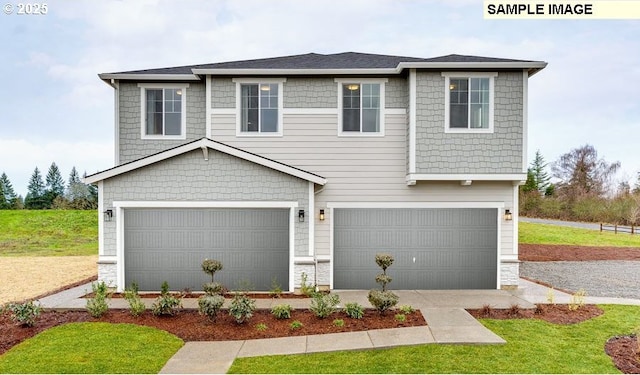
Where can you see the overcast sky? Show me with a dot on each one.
(53, 107)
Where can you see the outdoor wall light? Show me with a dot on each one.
(353, 87)
(508, 216)
(321, 215)
(108, 215)
(301, 216)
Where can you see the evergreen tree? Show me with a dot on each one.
(530, 185)
(55, 185)
(8, 197)
(78, 193)
(538, 168)
(35, 192)
(636, 189)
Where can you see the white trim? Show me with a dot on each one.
(120, 225)
(100, 218)
(525, 120)
(310, 111)
(466, 177)
(258, 81)
(452, 204)
(288, 72)
(223, 111)
(120, 281)
(107, 259)
(412, 119)
(447, 76)
(208, 105)
(205, 204)
(499, 246)
(379, 81)
(516, 219)
(116, 119)
(535, 66)
(331, 255)
(304, 260)
(204, 142)
(183, 109)
(149, 77)
(312, 219)
(292, 247)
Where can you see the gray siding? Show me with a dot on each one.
(189, 177)
(223, 93)
(359, 169)
(310, 93)
(132, 146)
(452, 153)
(397, 93)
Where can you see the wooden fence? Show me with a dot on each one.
(618, 228)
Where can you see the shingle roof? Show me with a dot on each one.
(344, 60)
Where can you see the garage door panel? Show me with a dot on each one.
(433, 248)
(252, 244)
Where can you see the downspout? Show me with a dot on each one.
(116, 119)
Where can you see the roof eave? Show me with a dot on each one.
(237, 72)
(148, 77)
(532, 66)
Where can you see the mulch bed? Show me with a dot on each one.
(556, 314)
(190, 326)
(624, 353)
(551, 253)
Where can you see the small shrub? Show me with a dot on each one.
(261, 327)
(281, 311)
(551, 298)
(338, 322)
(323, 305)
(98, 305)
(210, 305)
(166, 304)
(407, 309)
(577, 300)
(296, 324)
(136, 306)
(242, 308)
(276, 288)
(384, 261)
(382, 300)
(486, 310)
(305, 288)
(541, 309)
(213, 288)
(400, 318)
(211, 266)
(354, 310)
(25, 313)
(514, 310)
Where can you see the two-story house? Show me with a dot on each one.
(312, 164)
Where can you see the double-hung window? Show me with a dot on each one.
(260, 107)
(163, 111)
(469, 102)
(361, 107)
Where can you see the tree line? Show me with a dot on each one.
(581, 187)
(50, 192)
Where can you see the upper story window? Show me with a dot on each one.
(259, 103)
(361, 107)
(163, 111)
(469, 102)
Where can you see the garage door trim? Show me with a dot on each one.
(331, 205)
(119, 207)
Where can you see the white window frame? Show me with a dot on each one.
(360, 81)
(447, 100)
(257, 81)
(143, 110)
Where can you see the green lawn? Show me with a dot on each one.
(48, 232)
(533, 346)
(92, 348)
(556, 235)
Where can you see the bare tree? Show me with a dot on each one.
(581, 172)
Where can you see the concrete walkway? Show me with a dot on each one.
(444, 311)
